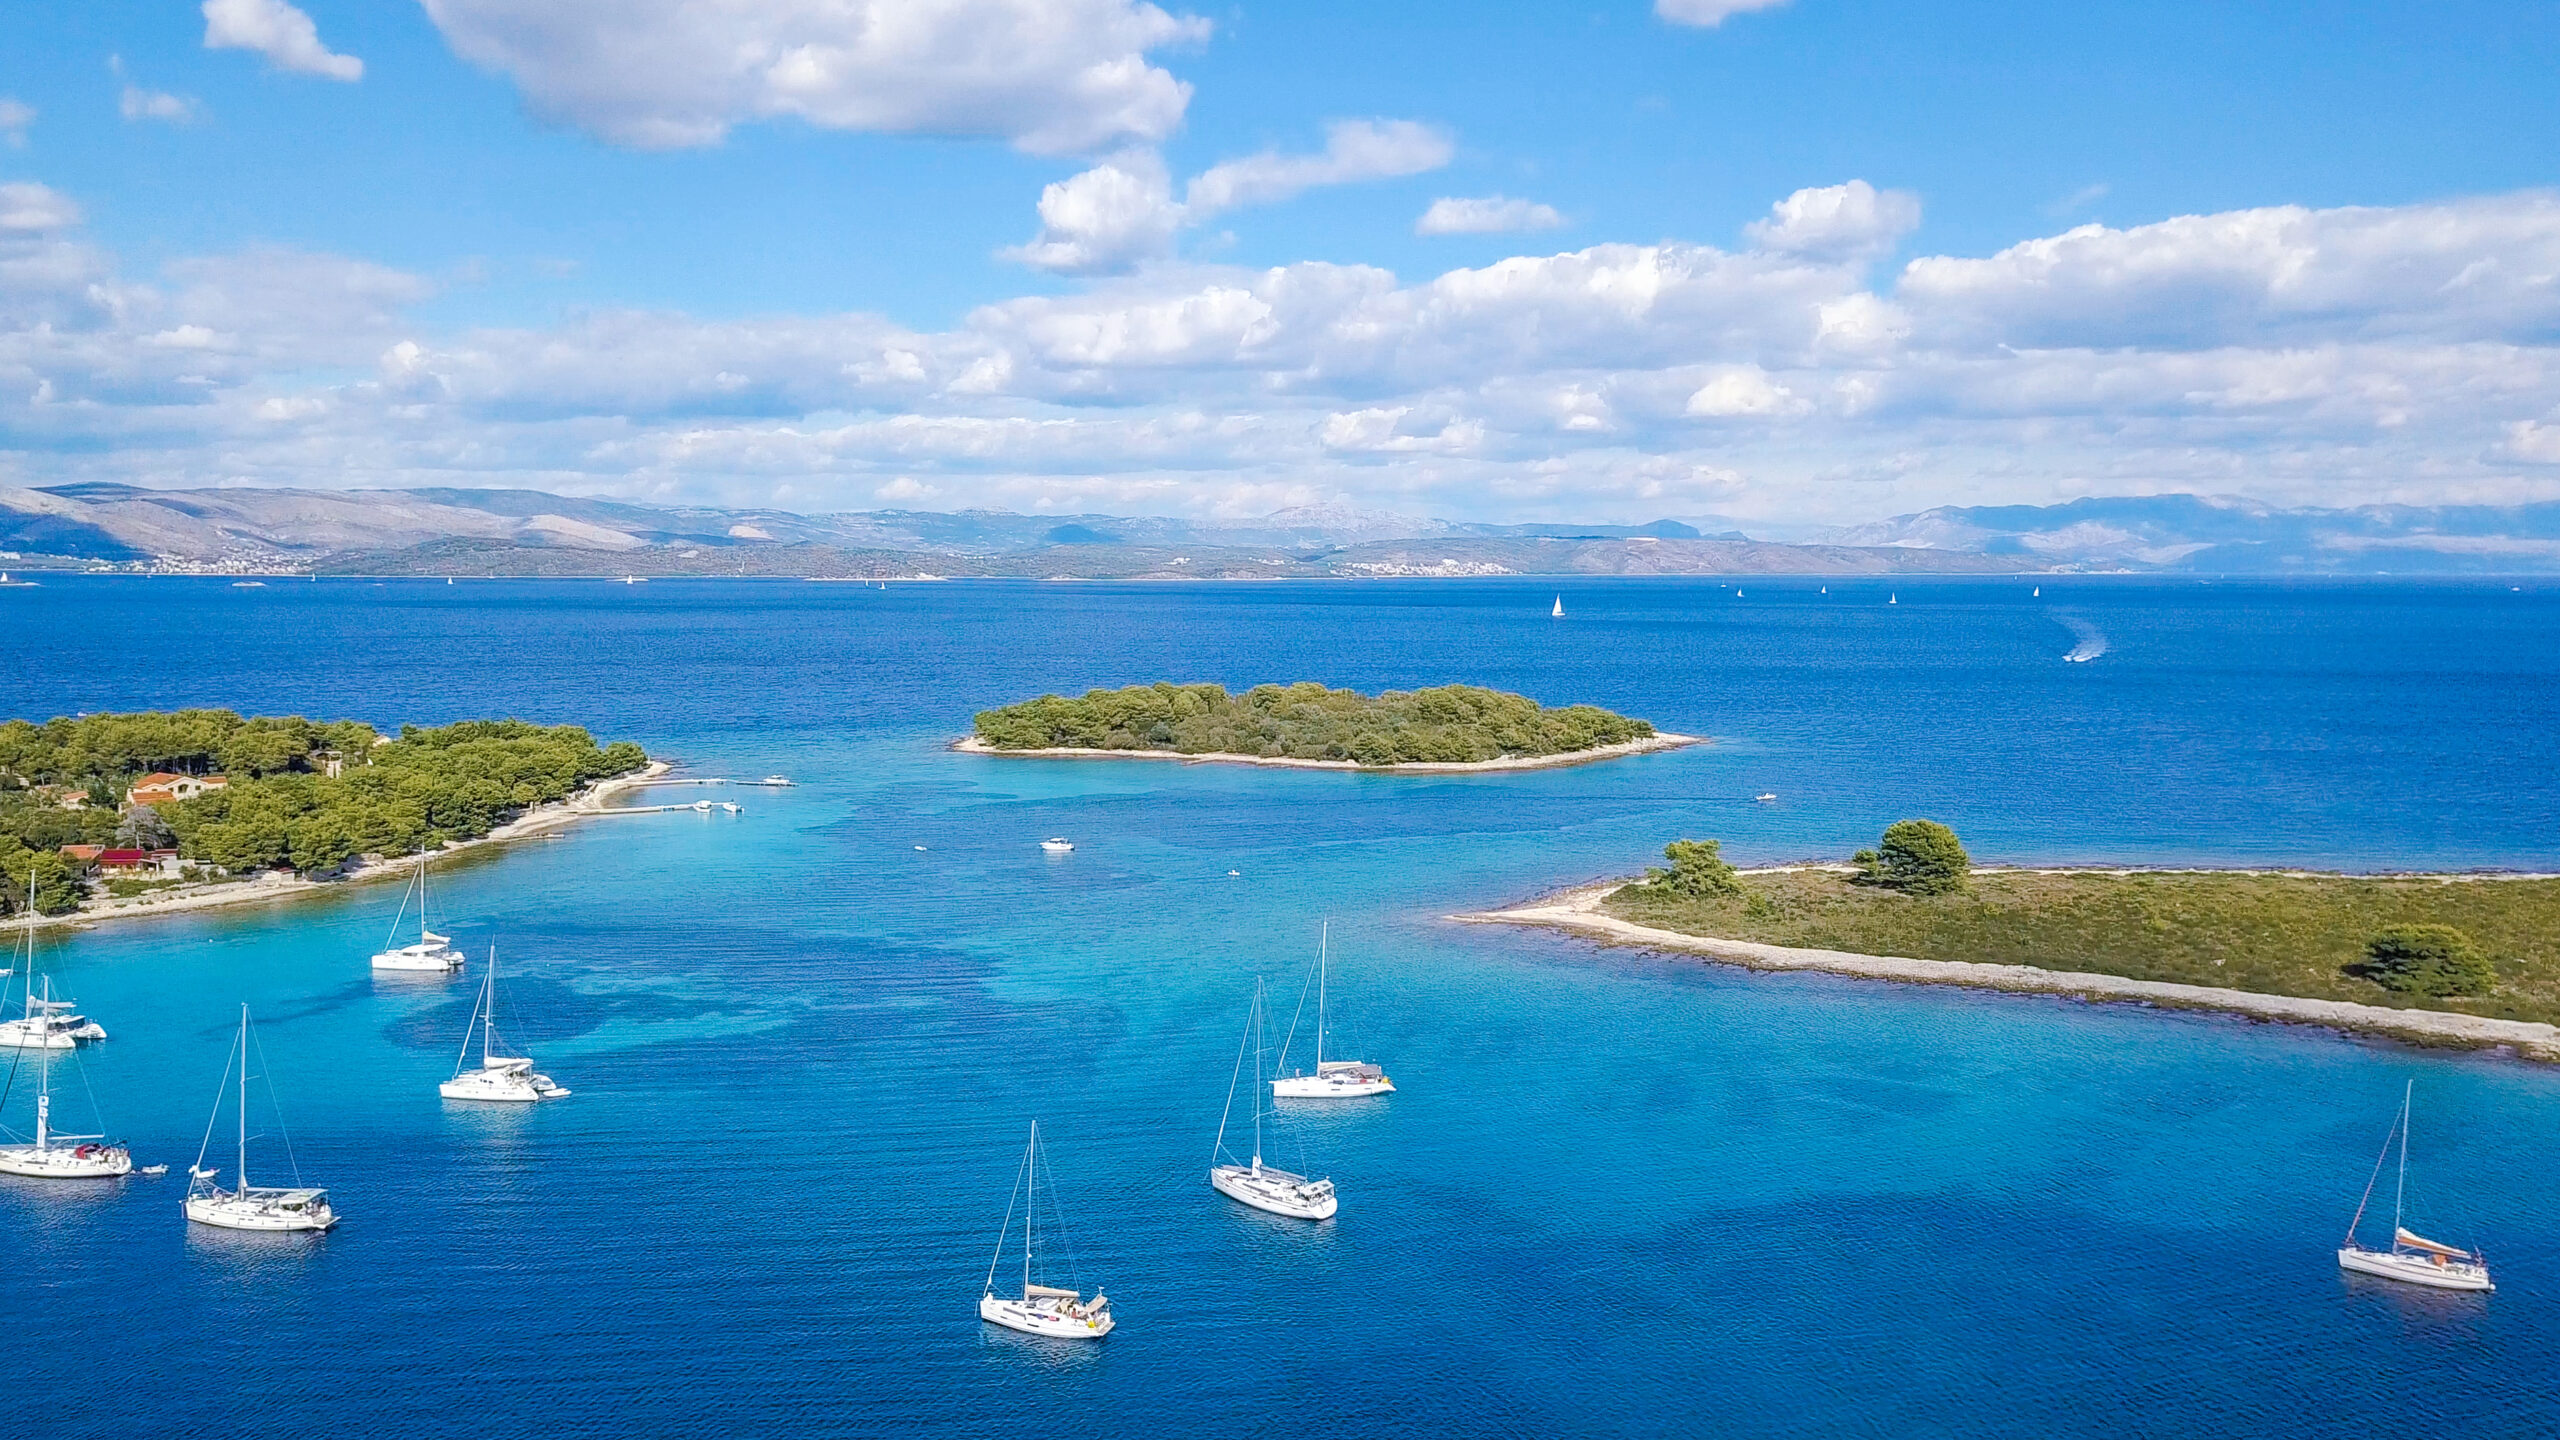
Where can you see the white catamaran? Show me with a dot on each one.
(499, 1076)
(1060, 1314)
(430, 952)
(245, 1206)
(1333, 1079)
(2413, 1258)
(47, 1023)
(1257, 1184)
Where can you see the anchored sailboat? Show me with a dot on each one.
(52, 1156)
(431, 952)
(47, 1024)
(1060, 1314)
(1333, 1079)
(499, 1076)
(246, 1206)
(1256, 1184)
(2413, 1258)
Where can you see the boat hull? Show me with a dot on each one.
(225, 1213)
(2415, 1269)
(419, 962)
(1040, 1320)
(1329, 1087)
(1276, 1191)
(502, 1089)
(61, 1162)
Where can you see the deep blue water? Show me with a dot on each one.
(1615, 1195)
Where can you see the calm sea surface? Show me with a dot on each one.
(1615, 1195)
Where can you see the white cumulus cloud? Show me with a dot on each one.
(1708, 14)
(1485, 215)
(277, 30)
(136, 103)
(1121, 213)
(1355, 150)
(1051, 76)
(15, 117)
(1104, 220)
(1837, 222)
(29, 208)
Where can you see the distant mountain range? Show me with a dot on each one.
(455, 531)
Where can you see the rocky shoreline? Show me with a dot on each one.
(541, 819)
(972, 745)
(1578, 911)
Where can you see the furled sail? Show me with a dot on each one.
(2416, 1241)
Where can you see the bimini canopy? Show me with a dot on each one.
(1046, 1292)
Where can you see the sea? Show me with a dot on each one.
(1615, 1193)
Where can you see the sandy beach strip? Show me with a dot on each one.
(1579, 911)
(540, 820)
(972, 745)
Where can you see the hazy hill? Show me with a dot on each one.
(445, 531)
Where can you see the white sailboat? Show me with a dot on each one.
(2413, 1258)
(1558, 612)
(499, 1076)
(1256, 1184)
(430, 952)
(1333, 1079)
(1893, 599)
(245, 1206)
(62, 1157)
(47, 1023)
(1060, 1314)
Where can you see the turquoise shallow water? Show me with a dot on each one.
(1615, 1194)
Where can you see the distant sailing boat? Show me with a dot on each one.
(1333, 1079)
(1893, 599)
(1558, 612)
(2038, 595)
(2412, 1258)
(246, 1206)
(431, 952)
(1258, 1185)
(58, 1157)
(499, 1076)
(1043, 1309)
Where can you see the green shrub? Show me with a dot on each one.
(2428, 960)
(1306, 721)
(1698, 869)
(1917, 857)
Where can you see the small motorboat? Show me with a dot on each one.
(1057, 845)
(702, 805)
(775, 780)
(1767, 797)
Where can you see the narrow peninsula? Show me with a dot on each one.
(116, 814)
(2451, 960)
(1446, 729)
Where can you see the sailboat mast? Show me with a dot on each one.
(44, 1096)
(2408, 1093)
(1324, 943)
(1031, 1209)
(423, 932)
(242, 1174)
(1257, 1076)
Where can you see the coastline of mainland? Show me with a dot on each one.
(1579, 910)
(586, 804)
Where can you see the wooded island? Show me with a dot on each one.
(1310, 723)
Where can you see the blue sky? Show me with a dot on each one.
(581, 245)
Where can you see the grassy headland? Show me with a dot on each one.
(1450, 724)
(296, 794)
(2308, 936)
